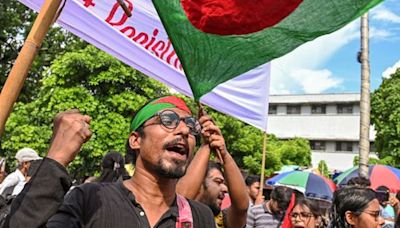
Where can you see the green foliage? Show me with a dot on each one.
(278, 153)
(385, 116)
(99, 86)
(372, 161)
(295, 152)
(15, 23)
(323, 169)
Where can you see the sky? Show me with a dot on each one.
(329, 63)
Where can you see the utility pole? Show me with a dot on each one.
(365, 107)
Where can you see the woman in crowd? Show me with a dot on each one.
(356, 207)
(113, 168)
(305, 214)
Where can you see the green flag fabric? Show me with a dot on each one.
(217, 40)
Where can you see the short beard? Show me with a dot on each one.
(215, 209)
(211, 203)
(171, 172)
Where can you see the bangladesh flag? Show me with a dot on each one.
(217, 40)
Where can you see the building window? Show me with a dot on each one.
(344, 146)
(372, 147)
(318, 109)
(293, 109)
(317, 145)
(344, 108)
(272, 110)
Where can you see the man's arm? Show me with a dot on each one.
(41, 196)
(236, 215)
(189, 185)
(237, 212)
(44, 193)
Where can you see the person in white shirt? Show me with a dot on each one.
(24, 158)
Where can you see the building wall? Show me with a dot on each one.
(330, 128)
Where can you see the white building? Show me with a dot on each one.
(330, 121)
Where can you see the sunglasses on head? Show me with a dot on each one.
(171, 120)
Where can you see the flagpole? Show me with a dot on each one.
(365, 100)
(200, 114)
(23, 63)
(260, 192)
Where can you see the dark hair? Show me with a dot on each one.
(251, 179)
(129, 151)
(113, 168)
(130, 157)
(359, 181)
(282, 196)
(354, 199)
(383, 188)
(133, 153)
(213, 165)
(311, 204)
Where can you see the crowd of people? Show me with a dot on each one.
(171, 184)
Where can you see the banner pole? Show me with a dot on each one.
(23, 63)
(201, 113)
(260, 193)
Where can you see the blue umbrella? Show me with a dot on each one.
(312, 185)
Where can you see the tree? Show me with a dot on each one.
(371, 161)
(15, 23)
(323, 168)
(273, 158)
(296, 151)
(385, 116)
(98, 85)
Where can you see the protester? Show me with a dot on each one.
(113, 168)
(305, 214)
(270, 213)
(31, 171)
(163, 136)
(24, 158)
(206, 182)
(387, 210)
(356, 207)
(253, 188)
(213, 190)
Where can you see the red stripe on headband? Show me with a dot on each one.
(178, 102)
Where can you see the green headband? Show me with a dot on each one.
(155, 106)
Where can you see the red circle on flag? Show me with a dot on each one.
(229, 17)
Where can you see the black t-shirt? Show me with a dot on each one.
(42, 204)
(113, 205)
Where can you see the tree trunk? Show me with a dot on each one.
(365, 99)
